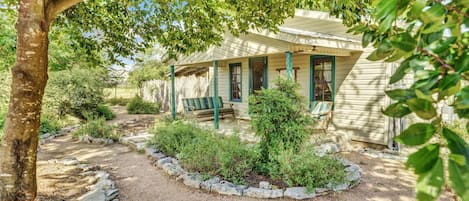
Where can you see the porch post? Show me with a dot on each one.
(289, 65)
(215, 93)
(173, 94)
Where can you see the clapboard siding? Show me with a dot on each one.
(360, 98)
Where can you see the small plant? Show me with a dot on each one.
(104, 111)
(49, 125)
(171, 136)
(139, 106)
(279, 119)
(118, 101)
(97, 128)
(307, 169)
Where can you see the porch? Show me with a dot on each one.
(328, 66)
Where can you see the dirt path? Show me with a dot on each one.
(138, 180)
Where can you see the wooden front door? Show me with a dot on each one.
(258, 74)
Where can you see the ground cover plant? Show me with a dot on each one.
(96, 127)
(139, 106)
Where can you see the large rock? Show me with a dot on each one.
(263, 193)
(207, 185)
(192, 179)
(299, 193)
(94, 195)
(156, 156)
(227, 188)
(163, 161)
(265, 185)
(340, 187)
(353, 173)
(173, 169)
(327, 148)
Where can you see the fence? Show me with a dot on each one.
(185, 87)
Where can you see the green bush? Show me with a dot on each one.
(104, 111)
(171, 137)
(77, 92)
(138, 106)
(49, 125)
(201, 150)
(97, 128)
(305, 168)
(118, 101)
(279, 118)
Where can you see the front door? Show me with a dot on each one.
(258, 74)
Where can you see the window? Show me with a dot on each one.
(235, 82)
(322, 78)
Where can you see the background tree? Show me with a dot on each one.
(148, 67)
(119, 28)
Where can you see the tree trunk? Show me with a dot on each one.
(19, 146)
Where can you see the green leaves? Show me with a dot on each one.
(449, 85)
(366, 39)
(405, 42)
(424, 159)
(423, 108)
(386, 11)
(429, 184)
(416, 134)
(397, 110)
(456, 144)
(459, 177)
(458, 163)
(436, 13)
(462, 65)
(400, 94)
(400, 72)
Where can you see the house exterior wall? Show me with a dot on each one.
(359, 92)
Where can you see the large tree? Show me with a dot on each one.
(120, 28)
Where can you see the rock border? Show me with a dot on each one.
(103, 190)
(194, 180)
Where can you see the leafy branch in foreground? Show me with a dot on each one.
(430, 39)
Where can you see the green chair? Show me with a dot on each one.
(321, 111)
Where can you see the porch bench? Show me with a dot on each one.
(321, 112)
(202, 108)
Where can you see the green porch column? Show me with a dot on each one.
(215, 94)
(289, 65)
(173, 94)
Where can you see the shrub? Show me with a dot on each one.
(279, 119)
(171, 137)
(104, 111)
(77, 92)
(138, 106)
(201, 150)
(118, 101)
(97, 128)
(49, 125)
(305, 168)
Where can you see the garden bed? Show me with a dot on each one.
(229, 166)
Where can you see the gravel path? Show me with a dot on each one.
(138, 180)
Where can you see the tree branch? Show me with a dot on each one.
(55, 7)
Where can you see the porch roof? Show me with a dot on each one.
(308, 32)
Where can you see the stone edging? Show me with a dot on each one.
(103, 190)
(171, 167)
